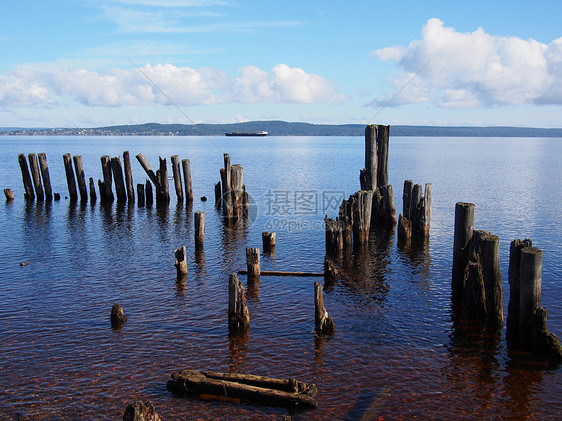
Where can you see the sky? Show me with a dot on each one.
(90, 63)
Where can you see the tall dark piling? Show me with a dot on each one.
(530, 277)
(177, 177)
(361, 206)
(253, 264)
(106, 191)
(238, 314)
(128, 177)
(45, 176)
(117, 171)
(79, 169)
(199, 218)
(218, 194)
(26, 178)
(181, 263)
(186, 167)
(149, 194)
(70, 180)
(140, 195)
(464, 226)
(164, 193)
(268, 241)
(323, 323)
(93, 197)
(36, 177)
(512, 328)
(415, 219)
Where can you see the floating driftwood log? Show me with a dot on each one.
(476, 277)
(284, 273)
(258, 389)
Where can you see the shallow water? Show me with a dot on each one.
(396, 352)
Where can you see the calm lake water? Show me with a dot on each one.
(395, 354)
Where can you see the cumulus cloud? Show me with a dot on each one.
(475, 68)
(164, 84)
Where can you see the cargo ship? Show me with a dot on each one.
(260, 133)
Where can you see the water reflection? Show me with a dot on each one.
(415, 254)
(238, 347)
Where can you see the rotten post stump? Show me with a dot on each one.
(117, 316)
(238, 314)
(93, 197)
(128, 177)
(253, 264)
(140, 411)
(324, 324)
(149, 194)
(464, 226)
(9, 195)
(199, 218)
(140, 195)
(181, 263)
(106, 192)
(117, 171)
(268, 241)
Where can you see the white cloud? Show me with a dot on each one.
(164, 84)
(476, 68)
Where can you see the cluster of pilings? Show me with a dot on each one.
(113, 173)
(477, 291)
(415, 219)
(230, 192)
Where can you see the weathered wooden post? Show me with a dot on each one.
(383, 208)
(9, 195)
(464, 226)
(253, 264)
(117, 316)
(226, 188)
(149, 195)
(186, 167)
(45, 176)
(199, 218)
(117, 171)
(140, 195)
(128, 177)
(323, 323)
(238, 314)
(177, 177)
(36, 176)
(268, 241)
(70, 180)
(530, 278)
(146, 167)
(488, 249)
(27, 185)
(181, 263)
(106, 192)
(218, 194)
(164, 194)
(334, 236)
(93, 197)
(79, 169)
(512, 328)
(368, 175)
(330, 271)
(236, 174)
(361, 207)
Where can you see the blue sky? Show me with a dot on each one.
(85, 63)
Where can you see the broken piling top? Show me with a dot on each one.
(375, 173)
(238, 314)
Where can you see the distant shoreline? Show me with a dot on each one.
(283, 128)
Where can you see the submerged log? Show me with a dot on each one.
(284, 273)
(45, 176)
(323, 323)
(181, 263)
(140, 411)
(36, 176)
(238, 314)
(259, 389)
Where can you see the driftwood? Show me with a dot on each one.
(284, 273)
(259, 389)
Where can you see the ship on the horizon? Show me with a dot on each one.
(260, 133)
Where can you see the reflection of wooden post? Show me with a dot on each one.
(27, 185)
(268, 241)
(45, 176)
(253, 264)
(70, 180)
(177, 177)
(186, 167)
(238, 314)
(464, 226)
(140, 195)
(530, 278)
(36, 176)
(9, 195)
(324, 324)
(181, 262)
(128, 177)
(79, 169)
(199, 228)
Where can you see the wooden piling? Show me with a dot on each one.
(323, 323)
(149, 195)
(140, 195)
(218, 194)
(464, 226)
(106, 192)
(330, 272)
(416, 208)
(186, 167)
(128, 177)
(407, 200)
(226, 187)
(334, 236)
(93, 197)
(146, 167)
(70, 180)
(268, 241)
(117, 316)
(9, 195)
(362, 202)
(177, 177)
(368, 175)
(488, 249)
(79, 169)
(181, 263)
(36, 177)
(383, 211)
(27, 184)
(253, 264)
(164, 194)
(199, 218)
(238, 314)
(117, 171)
(530, 278)
(45, 176)
(512, 328)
